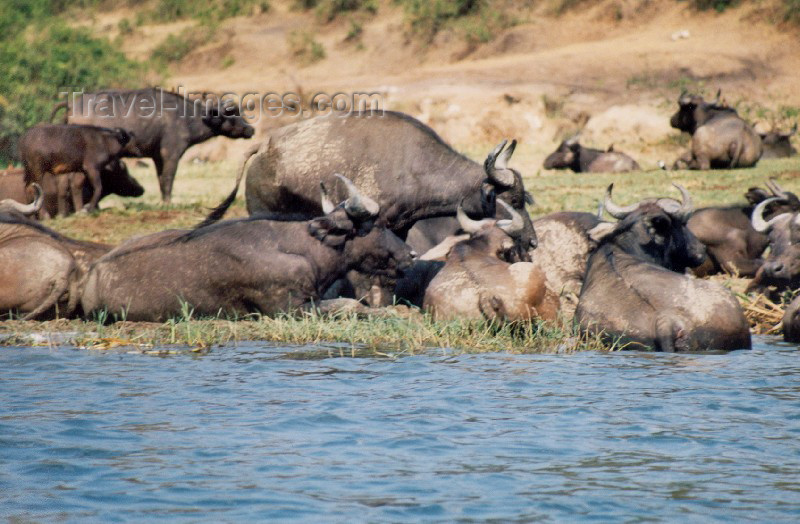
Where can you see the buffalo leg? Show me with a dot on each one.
(165, 169)
(76, 182)
(62, 194)
(93, 174)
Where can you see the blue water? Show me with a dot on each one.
(280, 434)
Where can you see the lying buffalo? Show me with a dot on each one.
(778, 144)
(41, 272)
(59, 149)
(791, 322)
(115, 181)
(733, 244)
(564, 248)
(265, 264)
(571, 155)
(720, 138)
(166, 124)
(635, 289)
(782, 268)
(482, 277)
(396, 160)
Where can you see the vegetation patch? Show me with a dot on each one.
(205, 11)
(303, 46)
(176, 46)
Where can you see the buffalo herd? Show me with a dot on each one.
(381, 210)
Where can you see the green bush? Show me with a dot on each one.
(176, 46)
(328, 10)
(304, 47)
(718, 5)
(427, 17)
(791, 11)
(208, 11)
(37, 66)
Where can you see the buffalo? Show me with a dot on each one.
(782, 268)
(262, 264)
(41, 271)
(791, 321)
(635, 291)
(166, 124)
(114, 176)
(562, 253)
(483, 276)
(778, 144)
(59, 149)
(734, 246)
(720, 138)
(571, 155)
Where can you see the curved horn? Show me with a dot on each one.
(9, 204)
(686, 209)
(467, 224)
(500, 174)
(514, 226)
(759, 224)
(357, 205)
(618, 212)
(684, 98)
(777, 190)
(505, 156)
(574, 139)
(716, 100)
(327, 203)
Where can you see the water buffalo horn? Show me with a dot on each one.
(793, 130)
(716, 100)
(467, 224)
(777, 190)
(759, 224)
(327, 203)
(357, 205)
(500, 174)
(8, 204)
(618, 212)
(687, 207)
(573, 140)
(514, 226)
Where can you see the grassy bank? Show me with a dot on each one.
(201, 186)
(398, 330)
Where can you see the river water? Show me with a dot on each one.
(290, 434)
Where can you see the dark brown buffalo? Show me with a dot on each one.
(733, 245)
(635, 290)
(482, 279)
(166, 124)
(395, 159)
(571, 155)
(781, 270)
(720, 138)
(115, 178)
(41, 272)
(236, 267)
(791, 321)
(778, 144)
(60, 149)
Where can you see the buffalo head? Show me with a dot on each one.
(566, 156)
(117, 181)
(350, 226)
(500, 238)
(782, 269)
(127, 140)
(653, 230)
(227, 121)
(694, 111)
(778, 144)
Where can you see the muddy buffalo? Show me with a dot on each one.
(571, 155)
(482, 276)
(116, 180)
(59, 149)
(395, 159)
(166, 124)
(41, 271)
(778, 144)
(635, 290)
(264, 264)
(720, 138)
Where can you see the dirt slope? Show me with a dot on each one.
(618, 63)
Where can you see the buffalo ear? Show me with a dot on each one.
(601, 231)
(326, 231)
(123, 136)
(529, 199)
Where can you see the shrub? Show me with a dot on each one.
(55, 56)
(427, 17)
(791, 11)
(304, 47)
(176, 46)
(328, 10)
(718, 5)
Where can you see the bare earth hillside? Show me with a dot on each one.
(618, 64)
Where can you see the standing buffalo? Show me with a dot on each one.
(571, 155)
(720, 138)
(778, 144)
(634, 289)
(482, 277)
(166, 124)
(259, 264)
(396, 160)
(114, 176)
(59, 149)
(41, 272)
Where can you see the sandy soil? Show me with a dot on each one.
(615, 66)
